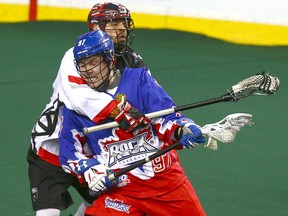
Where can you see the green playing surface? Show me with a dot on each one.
(246, 178)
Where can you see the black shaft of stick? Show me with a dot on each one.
(145, 160)
(224, 98)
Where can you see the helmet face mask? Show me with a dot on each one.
(104, 16)
(122, 36)
(95, 71)
(94, 56)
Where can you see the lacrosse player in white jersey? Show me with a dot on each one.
(48, 181)
(159, 187)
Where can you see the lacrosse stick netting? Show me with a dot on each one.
(225, 130)
(259, 84)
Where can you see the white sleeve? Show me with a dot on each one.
(78, 96)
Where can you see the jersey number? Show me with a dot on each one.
(162, 162)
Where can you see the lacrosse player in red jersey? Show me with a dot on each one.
(48, 182)
(159, 187)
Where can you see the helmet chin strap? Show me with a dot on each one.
(110, 82)
(120, 49)
(116, 80)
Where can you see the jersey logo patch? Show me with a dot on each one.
(131, 150)
(117, 205)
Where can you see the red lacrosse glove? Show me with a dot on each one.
(128, 117)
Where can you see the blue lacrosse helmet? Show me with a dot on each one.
(94, 43)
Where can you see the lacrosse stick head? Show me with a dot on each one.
(259, 84)
(225, 130)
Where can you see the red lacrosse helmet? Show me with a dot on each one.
(102, 12)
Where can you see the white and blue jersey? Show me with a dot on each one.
(118, 149)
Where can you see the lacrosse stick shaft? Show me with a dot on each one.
(203, 103)
(143, 161)
(227, 97)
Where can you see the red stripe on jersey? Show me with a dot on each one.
(166, 136)
(77, 80)
(104, 113)
(48, 157)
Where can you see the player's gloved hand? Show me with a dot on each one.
(190, 134)
(97, 178)
(128, 117)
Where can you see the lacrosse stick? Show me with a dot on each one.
(224, 131)
(259, 84)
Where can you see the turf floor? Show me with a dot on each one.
(246, 178)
